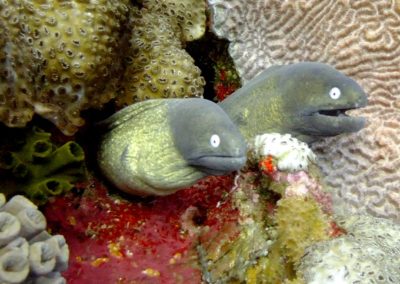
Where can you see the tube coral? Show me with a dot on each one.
(28, 254)
(39, 167)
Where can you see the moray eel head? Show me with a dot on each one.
(215, 146)
(323, 95)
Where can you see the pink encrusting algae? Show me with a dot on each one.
(116, 241)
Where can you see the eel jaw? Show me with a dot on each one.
(334, 122)
(218, 165)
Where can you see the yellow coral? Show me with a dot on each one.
(58, 58)
(157, 64)
(299, 223)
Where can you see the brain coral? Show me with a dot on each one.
(58, 58)
(359, 38)
(157, 66)
(369, 253)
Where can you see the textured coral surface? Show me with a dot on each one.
(157, 66)
(359, 38)
(58, 58)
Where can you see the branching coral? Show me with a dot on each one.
(368, 253)
(157, 64)
(40, 168)
(359, 38)
(28, 254)
(58, 58)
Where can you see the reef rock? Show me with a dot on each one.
(359, 38)
(28, 254)
(368, 253)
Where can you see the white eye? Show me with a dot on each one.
(335, 93)
(215, 140)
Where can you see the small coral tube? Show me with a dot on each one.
(67, 154)
(21, 171)
(8, 160)
(41, 150)
(48, 187)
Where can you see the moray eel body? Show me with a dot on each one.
(307, 100)
(159, 146)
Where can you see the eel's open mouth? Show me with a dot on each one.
(218, 165)
(333, 122)
(334, 112)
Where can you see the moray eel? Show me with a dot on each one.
(159, 146)
(307, 100)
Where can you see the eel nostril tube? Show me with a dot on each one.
(32, 222)
(42, 258)
(14, 266)
(51, 278)
(19, 243)
(28, 253)
(2, 200)
(9, 228)
(16, 204)
(61, 249)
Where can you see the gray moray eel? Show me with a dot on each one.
(307, 100)
(159, 146)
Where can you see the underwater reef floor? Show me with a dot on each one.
(146, 241)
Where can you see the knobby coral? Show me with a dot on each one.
(157, 66)
(28, 254)
(40, 168)
(58, 58)
(359, 38)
